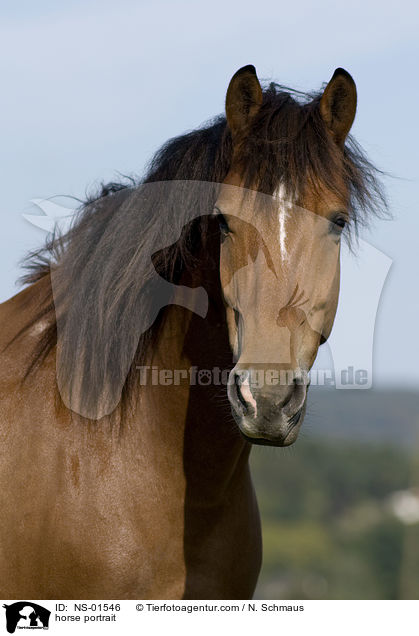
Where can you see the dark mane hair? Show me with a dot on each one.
(103, 252)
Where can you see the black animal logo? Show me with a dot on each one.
(26, 615)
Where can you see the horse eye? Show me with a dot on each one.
(337, 224)
(224, 229)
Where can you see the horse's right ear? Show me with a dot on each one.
(243, 100)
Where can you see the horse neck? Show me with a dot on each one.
(213, 453)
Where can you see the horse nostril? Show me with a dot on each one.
(289, 394)
(241, 399)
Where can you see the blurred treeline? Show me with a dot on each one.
(340, 508)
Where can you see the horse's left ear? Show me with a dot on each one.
(338, 105)
(243, 100)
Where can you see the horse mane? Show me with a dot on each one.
(288, 144)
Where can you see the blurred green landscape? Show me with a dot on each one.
(340, 508)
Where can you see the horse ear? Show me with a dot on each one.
(338, 105)
(243, 100)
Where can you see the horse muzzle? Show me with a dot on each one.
(269, 416)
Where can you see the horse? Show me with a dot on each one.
(125, 456)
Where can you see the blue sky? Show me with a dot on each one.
(92, 88)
